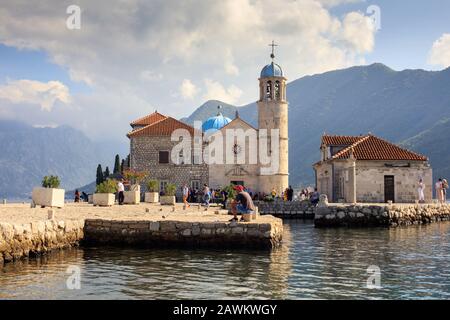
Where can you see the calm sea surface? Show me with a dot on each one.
(313, 263)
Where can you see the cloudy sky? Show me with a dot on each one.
(131, 57)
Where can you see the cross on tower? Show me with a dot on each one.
(273, 45)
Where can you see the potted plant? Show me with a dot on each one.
(49, 195)
(133, 196)
(105, 193)
(152, 196)
(169, 195)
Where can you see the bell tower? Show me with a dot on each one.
(273, 115)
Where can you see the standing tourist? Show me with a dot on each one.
(290, 193)
(438, 187)
(225, 198)
(121, 190)
(444, 190)
(421, 191)
(185, 196)
(77, 196)
(315, 197)
(206, 196)
(273, 193)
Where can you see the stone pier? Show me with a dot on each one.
(380, 215)
(29, 239)
(26, 231)
(264, 233)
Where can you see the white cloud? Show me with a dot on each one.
(44, 94)
(123, 50)
(440, 52)
(148, 75)
(216, 91)
(188, 89)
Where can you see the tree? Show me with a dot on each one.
(106, 174)
(122, 166)
(117, 164)
(99, 175)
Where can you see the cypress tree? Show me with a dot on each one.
(117, 164)
(107, 173)
(122, 166)
(99, 178)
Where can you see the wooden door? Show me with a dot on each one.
(389, 188)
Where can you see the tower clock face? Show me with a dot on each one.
(237, 149)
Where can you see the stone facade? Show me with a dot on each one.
(370, 177)
(144, 156)
(23, 240)
(380, 215)
(266, 234)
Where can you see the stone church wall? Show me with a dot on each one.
(370, 182)
(144, 156)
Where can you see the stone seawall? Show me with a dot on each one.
(263, 234)
(287, 209)
(23, 240)
(380, 215)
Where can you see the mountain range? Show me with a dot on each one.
(28, 154)
(410, 108)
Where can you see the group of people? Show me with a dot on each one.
(441, 187)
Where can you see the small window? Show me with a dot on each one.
(195, 184)
(277, 90)
(162, 185)
(164, 157)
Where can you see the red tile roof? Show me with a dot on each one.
(163, 127)
(373, 148)
(150, 119)
(339, 140)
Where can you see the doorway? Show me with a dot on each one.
(389, 188)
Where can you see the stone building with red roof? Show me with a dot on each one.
(369, 169)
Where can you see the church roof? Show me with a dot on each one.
(271, 70)
(339, 140)
(163, 127)
(215, 123)
(370, 147)
(149, 119)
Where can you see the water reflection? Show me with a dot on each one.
(313, 263)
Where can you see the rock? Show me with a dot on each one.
(341, 214)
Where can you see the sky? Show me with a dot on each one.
(119, 60)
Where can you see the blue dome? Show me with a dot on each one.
(271, 70)
(215, 123)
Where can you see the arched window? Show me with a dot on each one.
(269, 90)
(277, 90)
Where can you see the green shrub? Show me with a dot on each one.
(231, 192)
(51, 182)
(153, 186)
(108, 186)
(170, 189)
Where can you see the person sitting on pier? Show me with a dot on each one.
(242, 204)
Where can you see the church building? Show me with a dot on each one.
(231, 150)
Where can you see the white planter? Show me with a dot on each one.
(48, 197)
(135, 187)
(132, 197)
(104, 199)
(152, 197)
(168, 200)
